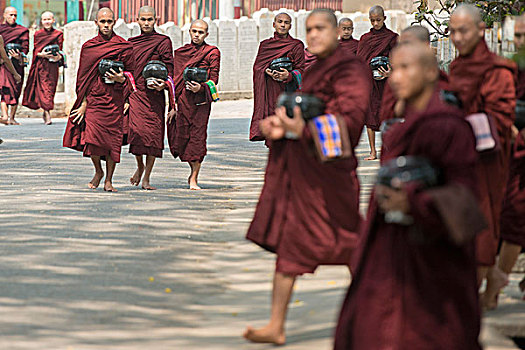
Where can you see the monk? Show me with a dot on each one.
(269, 84)
(10, 89)
(187, 131)
(95, 124)
(146, 112)
(346, 29)
(513, 213)
(378, 42)
(9, 65)
(308, 211)
(484, 82)
(43, 75)
(414, 285)
(390, 106)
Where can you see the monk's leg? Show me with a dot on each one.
(508, 255)
(99, 173)
(135, 179)
(273, 332)
(150, 161)
(193, 179)
(5, 115)
(372, 141)
(110, 169)
(12, 114)
(47, 117)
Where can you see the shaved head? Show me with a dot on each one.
(415, 33)
(421, 52)
(10, 15)
(9, 9)
(105, 10)
(200, 23)
(283, 14)
(376, 10)
(147, 9)
(470, 11)
(47, 13)
(329, 15)
(345, 20)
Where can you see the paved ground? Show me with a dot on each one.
(169, 269)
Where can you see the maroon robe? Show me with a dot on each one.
(265, 89)
(187, 132)
(9, 90)
(389, 100)
(101, 132)
(309, 59)
(513, 213)
(308, 211)
(350, 44)
(413, 288)
(43, 76)
(146, 111)
(372, 44)
(485, 83)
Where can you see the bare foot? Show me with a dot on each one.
(265, 335)
(371, 157)
(147, 186)
(496, 280)
(108, 187)
(12, 121)
(4, 121)
(193, 184)
(135, 179)
(96, 180)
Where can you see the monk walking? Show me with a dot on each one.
(346, 29)
(43, 75)
(484, 83)
(95, 124)
(308, 211)
(268, 84)
(378, 42)
(147, 105)
(414, 285)
(10, 89)
(4, 59)
(513, 213)
(187, 131)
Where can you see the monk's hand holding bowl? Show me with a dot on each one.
(272, 128)
(116, 77)
(15, 54)
(391, 199)
(78, 114)
(293, 126)
(281, 75)
(193, 86)
(159, 85)
(385, 73)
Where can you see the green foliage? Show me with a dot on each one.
(493, 11)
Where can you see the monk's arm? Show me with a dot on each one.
(5, 58)
(61, 41)
(499, 94)
(214, 60)
(166, 55)
(298, 59)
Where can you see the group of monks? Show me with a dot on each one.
(419, 258)
(121, 105)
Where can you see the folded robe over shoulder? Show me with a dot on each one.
(513, 213)
(101, 132)
(485, 83)
(308, 211)
(10, 91)
(265, 89)
(146, 112)
(413, 286)
(187, 132)
(43, 75)
(350, 44)
(372, 44)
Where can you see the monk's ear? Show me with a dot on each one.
(207, 33)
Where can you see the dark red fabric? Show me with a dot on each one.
(9, 90)
(389, 100)
(308, 211)
(103, 122)
(187, 132)
(372, 44)
(265, 89)
(309, 59)
(147, 107)
(350, 44)
(485, 83)
(413, 288)
(43, 76)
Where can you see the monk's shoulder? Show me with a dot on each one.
(182, 48)
(24, 29)
(39, 33)
(266, 42)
